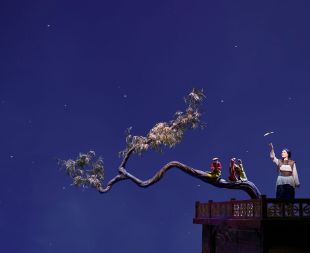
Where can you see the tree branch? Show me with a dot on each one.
(163, 134)
(246, 186)
(116, 179)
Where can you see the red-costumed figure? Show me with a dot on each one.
(232, 172)
(216, 167)
(236, 171)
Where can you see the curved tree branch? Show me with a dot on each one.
(246, 186)
(111, 183)
(163, 134)
(127, 156)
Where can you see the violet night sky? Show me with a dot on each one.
(75, 74)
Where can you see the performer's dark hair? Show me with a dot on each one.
(289, 152)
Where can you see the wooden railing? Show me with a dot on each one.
(254, 209)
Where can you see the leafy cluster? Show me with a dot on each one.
(86, 170)
(168, 133)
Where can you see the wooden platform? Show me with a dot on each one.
(263, 225)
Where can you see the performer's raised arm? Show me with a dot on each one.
(272, 154)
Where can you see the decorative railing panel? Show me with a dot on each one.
(254, 208)
(245, 209)
(305, 209)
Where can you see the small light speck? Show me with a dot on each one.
(236, 46)
(125, 96)
(65, 106)
(289, 98)
(64, 187)
(247, 151)
(11, 156)
(268, 133)
(48, 25)
(198, 185)
(222, 100)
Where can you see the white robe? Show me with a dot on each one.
(291, 180)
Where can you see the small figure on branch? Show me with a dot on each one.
(216, 167)
(236, 171)
(88, 171)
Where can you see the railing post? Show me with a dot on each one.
(300, 209)
(197, 203)
(232, 206)
(210, 208)
(264, 206)
(283, 205)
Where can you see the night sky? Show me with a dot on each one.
(74, 75)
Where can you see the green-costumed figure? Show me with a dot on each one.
(236, 170)
(216, 167)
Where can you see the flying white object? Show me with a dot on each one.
(268, 133)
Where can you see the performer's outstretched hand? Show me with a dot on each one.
(271, 146)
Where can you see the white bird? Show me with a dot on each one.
(268, 133)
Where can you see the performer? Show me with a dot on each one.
(287, 179)
(216, 167)
(232, 172)
(236, 171)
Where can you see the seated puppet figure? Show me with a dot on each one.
(216, 167)
(236, 171)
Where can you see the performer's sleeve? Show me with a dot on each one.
(273, 157)
(295, 176)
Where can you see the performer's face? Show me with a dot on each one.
(216, 162)
(284, 154)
